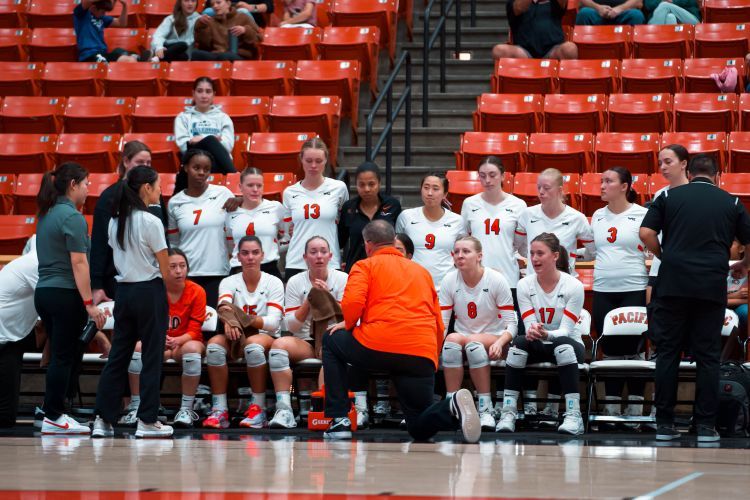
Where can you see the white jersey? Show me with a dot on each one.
(433, 241)
(656, 262)
(569, 227)
(620, 255)
(264, 221)
(18, 281)
(297, 289)
(267, 301)
(494, 226)
(144, 237)
(486, 308)
(558, 311)
(313, 213)
(196, 226)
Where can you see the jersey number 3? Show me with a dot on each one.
(612, 234)
(312, 211)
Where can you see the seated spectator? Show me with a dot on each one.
(228, 36)
(257, 11)
(672, 11)
(737, 288)
(89, 21)
(173, 38)
(610, 12)
(299, 14)
(536, 27)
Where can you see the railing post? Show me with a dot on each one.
(389, 139)
(442, 46)
(473, 13)
(407, 126)
(426, 64)
(457, 3)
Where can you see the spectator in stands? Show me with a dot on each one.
(259, 11)
(737, 289)
(403, 244)
(536, 28)
(63, 296)
(228, 36)
(672, 11)
(90, 19)
(610, 12)
(299, 14)
(173, 39)
(369, 204)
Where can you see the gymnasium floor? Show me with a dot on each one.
(297, 465)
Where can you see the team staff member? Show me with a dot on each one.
(698, 222)
(63, 294)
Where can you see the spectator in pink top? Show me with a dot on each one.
(299, 14)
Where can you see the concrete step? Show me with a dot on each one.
(475, 84)
(420, 136)
(478, 50)
(455, 67)
(429, 156)
(479, 34)
(456, 118)
(486, 16)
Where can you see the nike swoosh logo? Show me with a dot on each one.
(533, 220)
(295, 195)
(415, 222)
(474, 209)
(66, 426)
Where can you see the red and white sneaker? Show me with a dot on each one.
(64, 425)
(218, 419)
(255, 418)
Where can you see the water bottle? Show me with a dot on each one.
(88, 332)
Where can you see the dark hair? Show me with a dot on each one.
(626, 178)
(180, 19)
(250, 171)
(379, 232)
(128, 199)
(177, 251)
(702, 165)
(129, 150)
(249, 239)
(307, 243)
(494, 161)
(368, 166)
(679, 151)
(55, 183)
(181, 179)
(553, 243)
(406, 241)
(202, 79)
(443, 181)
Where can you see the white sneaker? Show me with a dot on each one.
(283, 419)
(507, 422)
(64, 425)
(102, 429)
(131, 417)
(487, 420)
(462, 408)
(185, 418)
(155, 430)
(572, 424)
(363, 418)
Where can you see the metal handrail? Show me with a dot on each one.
(429, 42)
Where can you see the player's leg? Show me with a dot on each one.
(453, 362)
(284, 352)
(189, 354)
(566, 353)
(256, 347)
(134, 375)
(476, 349)
(522, 351)
(218, 375)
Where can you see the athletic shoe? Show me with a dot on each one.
(155, 430)
(102, 429)
(550, 415)
(218, 419)
(381, 408)
(363, 418)
(507, 422)
(38, 417)
(255, 418)
(340, 428)
(529, 409)
(131, 416)
(667, 432)
(707, 434)
(572, 423)
(283, 419)
(487, 421)
(64, 425)
(185, 418)
(462, 407)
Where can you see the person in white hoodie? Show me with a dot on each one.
(173, 39)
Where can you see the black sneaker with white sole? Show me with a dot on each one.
(340, 428)
(667, 432)
(707, 434)
(463, 408)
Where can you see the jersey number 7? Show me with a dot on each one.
(550, 313)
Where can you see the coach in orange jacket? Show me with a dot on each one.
(392, 324)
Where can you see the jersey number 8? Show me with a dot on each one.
(471, 310)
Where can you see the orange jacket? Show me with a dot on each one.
(397, 306)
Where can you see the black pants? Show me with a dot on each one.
(222, 164)
(204, 55)
(413, 378)
(678, 321)
(176, 52)
(271, 268)
(539, 352)
(618, 346)
(64, 317)
(211, 286)
(521, 327)
(289, 272)
(11, 360)
(141, 313)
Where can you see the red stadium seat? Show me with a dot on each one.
(359, 43)
(262, 78)
(277, 152)
(164, 150)
(524, 76)
(13, 238)
(136, 14)
(290, 44)
(241, 142)
(217, 179)
(98, 182)
(591, 191)
(565, 152)
(509, 113)
(640, 113)
(157, 114)
(382, 14)
(13, 13)
(135, 79)
(524, 187)
(32, 115)
(739, 152)
(321, 13)
(744, 112)
(274, 183)
(53, 44)
(726, 11)
(698, 73)
(647, 76)
(722, 40)
(50, 13)
(154, 12)
(589, 76)
(7, 186)
(655, 183)
(634, 151)
(705, 112)
(27, 153)
(668, 41)
(737, 184)
(73, 79)
(575, 113)
(98, 115)
(130, 39)
(714, 144)
(167, 185)
(13, 44)
(182, 74)
(20, 78)
(249, 114)
(96, 152)
(465, 183)
(603, 42)
(475, 146)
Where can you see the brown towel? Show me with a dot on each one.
(325, 310)
(236, 317)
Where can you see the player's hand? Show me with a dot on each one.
(96, 315)
(543, 335)
(321, 284)
(533, 332)
(337, 327)
(496, 349)
(232, 332)
(160, 53)
(232, 204)
(98, 295)
(237, 30)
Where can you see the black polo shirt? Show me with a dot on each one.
(538, 29)
(698, 222)
(352, 221)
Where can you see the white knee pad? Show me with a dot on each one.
(452, 355)
(191, 364)
(565, 355)
(517, 358)
(278, 360)
(255, 355)
(136, 365)
(216, 355)
(476, 354)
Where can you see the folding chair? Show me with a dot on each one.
(32, 115)
(382, 14)
(27, 153)
(525, 76)
(167, 185)
(182, 75)
(154, 12)
(7, 186)
(594, 76)
(98, 115)
(565, 152)
(603, 42)
(651, 76)
(290, 44)
(241, 142)
(249, 114)
(640, 113)
(136, 13)
(698, 72)
(262, 78)
(54, 44)
(636, 152)
(475, 146)
(157, 114)
(739, 152)
(14, 43)
(591, 191)
(722, 40)
(744, 112)
(656, 182)
(508, 113)
(705, 112)
(13, 238)
(668, 41)
(95, 152)
(20, 78)
(277, 151)
(135, 79)
(274, 183)
(359, 43)
(73, 79)
(164, 151)
(525, 187)
(713, 144)
(575, 113)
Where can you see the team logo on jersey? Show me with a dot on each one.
(599, 219)
(566, 223)
(266, 212)
(212, 198)
(510, 210)
(486, 290)
(326, 193)
(631, 218)
(560, 296)
(447, 225)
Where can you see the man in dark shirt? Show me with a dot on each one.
(698, 222)
(610, 12)
(536, 27)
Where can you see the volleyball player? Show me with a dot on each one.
(261, 296)
(433, 228)
(312, 206)
(485, 322)
(286, 351)
(551, 301)
(403, 244)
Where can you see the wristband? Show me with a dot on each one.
(89, 302)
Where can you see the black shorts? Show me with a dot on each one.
(110, 56)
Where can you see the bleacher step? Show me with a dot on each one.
(478, 50)
(420, 136)
(453, 83)
(433, 156)
(459, 118)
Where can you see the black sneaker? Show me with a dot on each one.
(667, 432)
(340, 428)
(38, 417)
(707, 434)
(462, 407)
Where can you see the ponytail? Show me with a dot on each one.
(553, 243)
(128, 199)
(56, 183)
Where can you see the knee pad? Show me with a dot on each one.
(565, 355)
(255, 355)
(278, 360)
(517, 358)
(136, 365)
(476, 354)
(191, 364)
(216, 355)
(452, 355)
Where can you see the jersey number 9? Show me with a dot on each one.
(429, 241)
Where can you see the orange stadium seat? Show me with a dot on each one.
(13, 13)
(705, 112)
(136, 14)
(217, 179)
(575, 113)
(475, 146)
(249, 114)
(744, 112)
(182, 74)
(54, 44)
(593, 76)
(167, 185)
(524, 187)
(603, 42)
(359, 43)
(712, 143)
(668, 41)
(722, 40)
(164, 150)
(135, 79)
(465, 183)
(96, 152)
(20, 78)
(565, 152)
(73, 79)
(98, 182)
(274, 183)
(7, 186)
(130, 39)
(277, 152)
(640, 112)
(18, 219)
(655, 183)
(321, 13)
(726, 11)
(27, 153)
(32, 115)
(523, 76)
(635, 151)
(241, 142)
(290, 44)
(98, 115)
(739, 152)
(262, 78)
(157, 114)
(509, 113)
(50, 13)
(737, 184)
(698, 73)
(382, 14)
(13, 237)
(591, 191)
(14, 44)
(154, 11)
(651, 75)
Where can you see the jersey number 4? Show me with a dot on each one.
(612, 234)
(250, 229)
(492, 226)
(312, 211)
(546, 314)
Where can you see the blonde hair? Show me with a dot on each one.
(314, 143)
(557, 176)
(474, 241)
